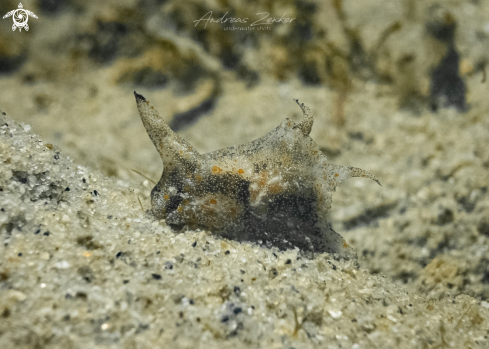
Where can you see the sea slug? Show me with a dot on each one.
(275, 190)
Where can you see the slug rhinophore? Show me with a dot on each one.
(275, 190)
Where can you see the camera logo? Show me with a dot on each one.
(20, 17)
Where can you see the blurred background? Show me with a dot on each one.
(397, 88)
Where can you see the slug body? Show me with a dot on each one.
(275, 190)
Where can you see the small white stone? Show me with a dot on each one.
(485, 304)
(335, 314)
(65, 218)
(62, 265)
(392, 318)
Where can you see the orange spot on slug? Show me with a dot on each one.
(216, 169)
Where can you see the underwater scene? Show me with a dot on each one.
(244, 174)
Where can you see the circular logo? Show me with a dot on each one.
(20, 18)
